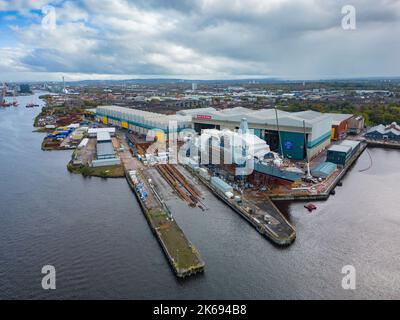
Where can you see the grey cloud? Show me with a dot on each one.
(300, 38)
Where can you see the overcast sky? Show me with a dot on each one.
(202, 39)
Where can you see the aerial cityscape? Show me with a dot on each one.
(201, 150)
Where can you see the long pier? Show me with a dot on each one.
(182, 255)
(382, 144)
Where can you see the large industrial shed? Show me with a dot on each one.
(356, 125)
(105, 152)
(382, 132)
(292, 127)
(140, 121)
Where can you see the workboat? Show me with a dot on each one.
(31, 105)
(310, 206)
(5, 104)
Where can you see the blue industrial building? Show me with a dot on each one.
(342, 152)
(105, 153)
(381, 132)
(300, 134)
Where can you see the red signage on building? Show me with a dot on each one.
(200, 116)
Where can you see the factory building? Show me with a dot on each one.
(243, 155)
(324, 170)
(381, 132)
(141, 122)
(356, 125)
(105, 152)
(340, 125)
(296, 135)
(342, 152)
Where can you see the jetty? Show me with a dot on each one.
(265, 218)
(182, 255)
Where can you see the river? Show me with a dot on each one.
(93, 232)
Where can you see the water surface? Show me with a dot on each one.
(93, 232)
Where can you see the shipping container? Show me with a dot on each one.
(83, 143)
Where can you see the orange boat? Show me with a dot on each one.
(310, 206)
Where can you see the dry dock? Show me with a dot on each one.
(180, 252)
(267, 219)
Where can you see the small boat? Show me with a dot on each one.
(310, 206)
(32, 105)
(4, 103)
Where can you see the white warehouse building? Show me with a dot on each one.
(140, 121)
(300, 134)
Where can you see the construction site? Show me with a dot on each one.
(247, 169)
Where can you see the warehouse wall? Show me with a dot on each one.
(313, 152)
(293, 145)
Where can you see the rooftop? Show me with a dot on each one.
(126, 112)
(340, 148)
(105, 150)
(350, 143)
(393, 128)
(103, 136)
(263, 116)
(97, 130)
(337, 118)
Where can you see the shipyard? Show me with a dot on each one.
(199, 150)
(248, 158)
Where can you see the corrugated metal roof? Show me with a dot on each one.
(393, 128)
(105, 149)
(351, 143)
(96, 130)
(324, 170)
(379, 128)
(103, 136)
(126, 112)
(337, 118)
(339, 148)
(308, 114)
(264, 116)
